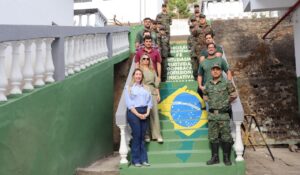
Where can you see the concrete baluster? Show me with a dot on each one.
(15, 74)
(76, 54)
(39, 68)
(86, 51)
(90, 49)
(94, 49)
(82, 53)
(79, 20)
(49, 61)
(123, 150)
(28, 69)
(71, 55)
(104, 45)
(99, 49)
(3, 77)
(66, 56)
(88, 16)
(239, 147)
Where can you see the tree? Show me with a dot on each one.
(180, 8)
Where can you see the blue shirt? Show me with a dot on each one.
(137, 96)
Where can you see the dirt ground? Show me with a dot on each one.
(259, 162)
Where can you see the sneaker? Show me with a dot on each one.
(137, 165)
(145, 164)
(160, 140)
(147, 139)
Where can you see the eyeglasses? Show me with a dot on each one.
(146, 58)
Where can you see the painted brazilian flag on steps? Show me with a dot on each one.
(180, 103)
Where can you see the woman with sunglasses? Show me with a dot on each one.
(139, 102)
(151, 80)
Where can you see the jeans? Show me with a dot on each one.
(138, 128)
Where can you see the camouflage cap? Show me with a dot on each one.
(202, 15)
(162, 28)
(216, 65)
(193, 18)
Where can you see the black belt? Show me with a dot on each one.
(218, 111)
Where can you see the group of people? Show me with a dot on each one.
(142, 95)
(218, 91)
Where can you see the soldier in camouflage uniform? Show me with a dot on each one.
(195, 15)
(166, 20)
(199, 31)
(192, 42)
(163, 44)
(218, 93)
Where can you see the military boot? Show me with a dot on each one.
(214, 154)
(226, 153)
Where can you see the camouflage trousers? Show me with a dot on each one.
(219, 130)
(195, 66)
(164, 67)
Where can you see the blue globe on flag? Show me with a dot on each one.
(186, 110)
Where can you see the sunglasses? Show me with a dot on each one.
(146, 58)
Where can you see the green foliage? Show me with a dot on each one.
(179, 8)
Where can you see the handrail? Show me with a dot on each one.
(291, 9)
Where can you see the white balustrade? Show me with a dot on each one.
(28, 69)
(90, 49)
(104, 46)
(238, 145)
(3, 77)
(39, 69)
(15, 73)
(79, 20)
(88, 16)
(98, 47)
(86, 52)
(66, 56)
(82, 53)
(49, 61)
(120, 42)
(94, 56)
(76, 54)
(70, 56)
(123, 150)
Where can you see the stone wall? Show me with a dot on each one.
(264, 74)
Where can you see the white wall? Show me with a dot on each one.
(36, 12)
(126, 10)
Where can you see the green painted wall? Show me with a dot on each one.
(57, 128)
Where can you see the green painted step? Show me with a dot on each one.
(185, 169)
(176, 134)
(176, 144)
(179, 156)
(167, 124)
(183, 156)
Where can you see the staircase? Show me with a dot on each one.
(183, 120)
